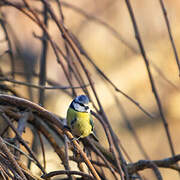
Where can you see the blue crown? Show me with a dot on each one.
(83, 99)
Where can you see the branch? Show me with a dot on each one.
(47, 116)
(170, 34)
(10, 157)
(55, 173)
(151, 79)
(39, 86)
(164, 163)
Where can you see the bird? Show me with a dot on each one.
(79, 119)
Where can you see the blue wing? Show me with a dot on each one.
(92, 123)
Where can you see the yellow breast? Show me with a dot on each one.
(79, 122)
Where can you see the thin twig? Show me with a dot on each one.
(154, 90)
(104, 158)
(38, 86)
(6, 88)
(7, 165)
(43, 149)
(20, 102)
(85, 54)
(10, 50)
(20, 139)
(18, 149)
(107, 26)
(170, 33)
(3, 172)
(42, 72)
(37, 20)
(68, 38)
(131, 128)
(9, 155)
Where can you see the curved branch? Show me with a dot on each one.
(47, 116)
(144, 164)
(55, 173)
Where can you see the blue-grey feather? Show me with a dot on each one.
(92, 124)
(82, 99)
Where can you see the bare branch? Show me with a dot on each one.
(151, 79)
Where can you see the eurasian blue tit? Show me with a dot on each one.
(79, 118)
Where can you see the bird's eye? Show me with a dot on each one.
(86, 107)
(81, 104)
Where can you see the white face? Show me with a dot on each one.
(80, 107)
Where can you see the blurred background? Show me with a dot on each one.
(105, 31)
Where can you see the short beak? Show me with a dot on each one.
(86, 107)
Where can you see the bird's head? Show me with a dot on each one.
(80, 103)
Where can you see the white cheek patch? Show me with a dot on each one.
(78, 107)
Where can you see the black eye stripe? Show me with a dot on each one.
(81, 104)
(86, 107)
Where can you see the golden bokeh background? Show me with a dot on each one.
(105, 30)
